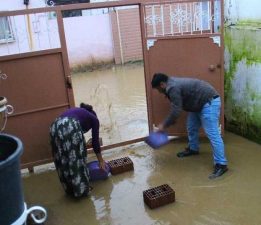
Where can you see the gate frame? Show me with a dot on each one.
(63, 49)
(189, 36)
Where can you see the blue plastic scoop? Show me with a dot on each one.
(157, 139)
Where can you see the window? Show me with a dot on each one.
(6, 34)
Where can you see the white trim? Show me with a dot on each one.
(22, 219)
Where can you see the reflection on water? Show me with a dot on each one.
(119, 99)
(233, 199)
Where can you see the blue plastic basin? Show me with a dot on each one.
(96, 173)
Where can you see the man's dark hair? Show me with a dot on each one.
(157, 78)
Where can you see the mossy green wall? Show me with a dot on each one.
(243, 79)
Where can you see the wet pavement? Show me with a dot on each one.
(233, 199)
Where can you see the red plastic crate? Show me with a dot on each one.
(159, 196)
(120, 165)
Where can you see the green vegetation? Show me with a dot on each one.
(99, 65)
(91, 66)
(243, 43)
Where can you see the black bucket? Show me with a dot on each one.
(11, 194)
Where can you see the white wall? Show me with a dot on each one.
(236, 10)
(88, 38)
(9, 5)
(31, 33)
(243, 67)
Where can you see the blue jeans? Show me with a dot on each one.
(208, 118)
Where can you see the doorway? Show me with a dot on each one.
(107, 70)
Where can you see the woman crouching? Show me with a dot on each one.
(69, 148)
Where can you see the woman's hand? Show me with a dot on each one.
(102, 164)
(101, 161)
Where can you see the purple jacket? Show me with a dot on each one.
(88, 120)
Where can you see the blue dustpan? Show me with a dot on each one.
(96, 173)
(157, 139)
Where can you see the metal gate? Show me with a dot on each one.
(182, 38)
(179, 38)
(37, 80)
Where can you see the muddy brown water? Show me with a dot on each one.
(119, 99)
(118, 96)
(233, 199)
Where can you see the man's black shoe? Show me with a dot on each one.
(187, 152)
(218, 171)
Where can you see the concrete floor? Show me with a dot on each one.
(233, 199)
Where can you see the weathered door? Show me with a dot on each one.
(182, 38)
(37, 81)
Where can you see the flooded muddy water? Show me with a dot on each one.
(233, 199)
(119, 99)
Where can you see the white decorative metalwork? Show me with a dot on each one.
(153, 20)
(162, 19)
(179, 18)
(3, 76)
(31, 212)
(150, 43)
(50, 3)
(216, 40)
(5, 110)
(171, 22)
(204, 14)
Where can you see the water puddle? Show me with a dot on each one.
(119, 99)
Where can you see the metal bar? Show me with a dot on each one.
(39, 110)
(191, 19)
(74, 7)
(36, 163)
(212, 17)
(186, 17)
(188, 35)
(221, 2)
(89, 151)
(194, 17)
(30, 54)
(146, 64)
(179, 139)
(64, 55)
(209, 17)
(179, 19)
(171, 21)
(201, 18)
(87, 6)
(153, 21)
(107, 147)
(162, 19)
(169, 2)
